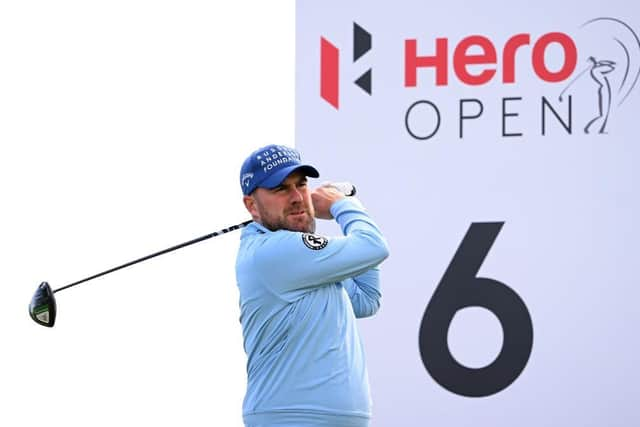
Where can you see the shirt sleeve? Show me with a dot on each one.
(364, 292)
(292, 263)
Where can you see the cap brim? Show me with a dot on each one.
(277, 178)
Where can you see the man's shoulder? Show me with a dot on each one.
(255, 236)
(255, 233)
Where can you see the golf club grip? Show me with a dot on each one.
(162, 252)
(346, 188)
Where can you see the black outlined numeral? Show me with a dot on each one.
(460, 288)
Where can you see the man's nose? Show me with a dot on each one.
(295, 195)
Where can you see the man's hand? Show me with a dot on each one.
(323, 198)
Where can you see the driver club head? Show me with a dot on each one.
(43, 306)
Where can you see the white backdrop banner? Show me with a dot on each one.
(496, 147)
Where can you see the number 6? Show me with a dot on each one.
(458, 289)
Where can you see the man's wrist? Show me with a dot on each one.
(344, 204)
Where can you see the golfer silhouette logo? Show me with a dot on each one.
(599, 71)
(623, 45)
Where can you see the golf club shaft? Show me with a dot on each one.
(346, 188)
(162, 252)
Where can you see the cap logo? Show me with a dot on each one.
(275, 157)
(246, 179)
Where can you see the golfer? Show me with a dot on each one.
(300, 294)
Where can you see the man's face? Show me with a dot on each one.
(288, 206)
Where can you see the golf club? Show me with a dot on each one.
(42, 308)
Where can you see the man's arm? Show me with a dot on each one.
(293, 262)
(363, 289)
(364, 292)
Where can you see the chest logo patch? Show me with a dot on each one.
(314, 242)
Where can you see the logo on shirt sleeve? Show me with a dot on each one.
(314, 242)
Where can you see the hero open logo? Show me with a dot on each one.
(584, 78)
(314, 242)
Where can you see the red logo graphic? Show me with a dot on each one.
(489, 57)
(330, 66)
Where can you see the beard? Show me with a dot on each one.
(285, 221)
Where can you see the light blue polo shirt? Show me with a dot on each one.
(300, 294)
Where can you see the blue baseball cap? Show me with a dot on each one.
(268, 166)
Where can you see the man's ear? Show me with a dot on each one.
(250, 204)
